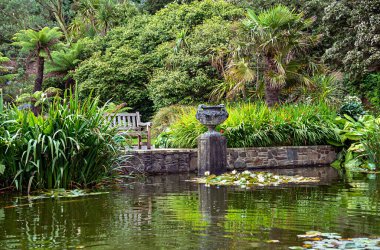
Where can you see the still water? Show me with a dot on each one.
(167, 212)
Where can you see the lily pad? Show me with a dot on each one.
(62, 193)
(318, 240)
(249, 179)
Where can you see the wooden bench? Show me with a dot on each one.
(131, 125)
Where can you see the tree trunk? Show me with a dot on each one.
(272, 92)
(40, 74)
(38, 81)
(271, 95)
(70, 85)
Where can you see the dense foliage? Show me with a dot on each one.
(360, 141)
(353, 30)
(140, 57)
(256, 125)
(71, 145)
(151, 54)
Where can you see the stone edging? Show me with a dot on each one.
(156, 161)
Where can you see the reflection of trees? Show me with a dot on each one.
(49, 223)
(170, 213)
(332, 208)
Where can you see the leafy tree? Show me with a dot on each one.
(99, 16)
(64, 62)
(19, 15)
(118, 76)
(61, 11)
(189, 74)
(353, 29)
(39, 45)
(278, 42)
(133, 60)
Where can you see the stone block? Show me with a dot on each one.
(239, 164)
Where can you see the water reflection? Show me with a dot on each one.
(169, 212)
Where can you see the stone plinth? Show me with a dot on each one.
(212, 153)
(212, 146)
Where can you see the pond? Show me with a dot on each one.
(167, 212)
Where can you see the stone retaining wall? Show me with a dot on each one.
(185, 160)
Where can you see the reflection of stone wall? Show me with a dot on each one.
(185, 160)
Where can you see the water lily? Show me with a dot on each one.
(249, 179)
(260, 178)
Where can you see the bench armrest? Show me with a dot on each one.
(148, 124)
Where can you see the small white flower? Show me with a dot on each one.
(246, 172)
(242, 179)
(252, 175)
(207, 173)
(233, 172)
(260, 178)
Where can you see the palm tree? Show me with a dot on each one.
(39, 45)
(93, 17)
(63, 64)
(277, 45)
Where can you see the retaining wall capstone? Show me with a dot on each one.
(159, 161)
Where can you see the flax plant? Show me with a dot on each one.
(70, 146)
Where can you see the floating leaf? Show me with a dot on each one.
(248, 179)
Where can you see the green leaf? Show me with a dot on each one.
(352, 164)
(354, 135)
(2, 168)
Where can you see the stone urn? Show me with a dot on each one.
(212, 146)
(211, 116)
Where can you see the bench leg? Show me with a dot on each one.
(148, 139)
(139, 141)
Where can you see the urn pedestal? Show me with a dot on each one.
(212, 145)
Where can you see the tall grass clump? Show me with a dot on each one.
(71, 145)
(166, 116)
(256, 125)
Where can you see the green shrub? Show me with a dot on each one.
(359, 139)
(256, 125)
(137, 62)
(71, 145)
(352, 106)
(371, 85)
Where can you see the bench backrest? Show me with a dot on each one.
(126, 121)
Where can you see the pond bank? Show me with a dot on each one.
(160, 161)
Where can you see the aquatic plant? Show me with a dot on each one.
(249, 179)
(318, 240)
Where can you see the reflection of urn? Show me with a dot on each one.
(211, 116)
(212, 146)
